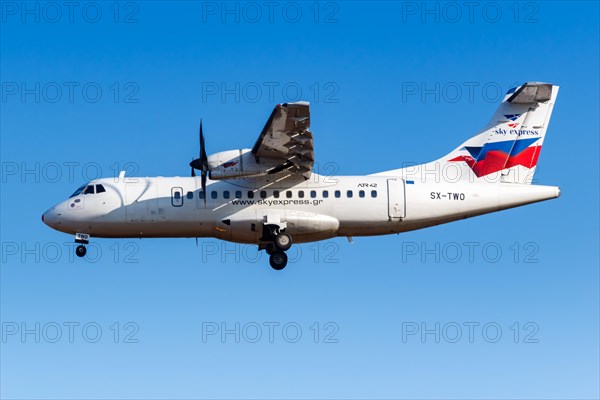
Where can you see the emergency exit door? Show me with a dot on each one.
(396, 199)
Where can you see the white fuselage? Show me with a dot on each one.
(314, 209)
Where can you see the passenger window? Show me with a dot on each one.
(89, 190)
(361, 193)
(325, 194)
(238, 194)
(301, 194)
(201, 195)
(190, 195)
(288, 194)
(276, 194)
(263, 194)
(338, 194)
(226, 194)
(313, 193)
(214, 194)
(373, 193)
(250, 194)
(177, 195)
(349, 194)
(100, 189)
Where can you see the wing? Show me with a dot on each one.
(286, 139)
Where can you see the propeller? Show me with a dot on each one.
(201, 164)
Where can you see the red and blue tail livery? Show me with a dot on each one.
(496, 156)
(511, 143)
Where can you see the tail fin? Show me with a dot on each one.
(509, 146)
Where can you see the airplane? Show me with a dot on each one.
(271, 195)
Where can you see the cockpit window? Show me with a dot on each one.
(100, 189)
(78, 191)
(89, 189)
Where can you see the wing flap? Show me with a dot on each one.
(287, 138)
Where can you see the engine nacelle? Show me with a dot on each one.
(246, 226)
(240, 163)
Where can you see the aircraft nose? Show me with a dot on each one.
(50, 217)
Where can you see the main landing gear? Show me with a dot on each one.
(276, 243)
(82, 239)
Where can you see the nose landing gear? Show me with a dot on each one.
(82, 239)
(80, 251)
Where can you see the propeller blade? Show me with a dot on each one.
(204, 186)
(201, 163)
(203, 156)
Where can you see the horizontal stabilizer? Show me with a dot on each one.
(531, 92)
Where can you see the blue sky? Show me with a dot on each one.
(104, 86)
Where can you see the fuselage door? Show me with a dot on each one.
(177, 196)
(396, 199)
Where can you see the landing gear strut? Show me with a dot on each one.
(276, 243)
(82, 239)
